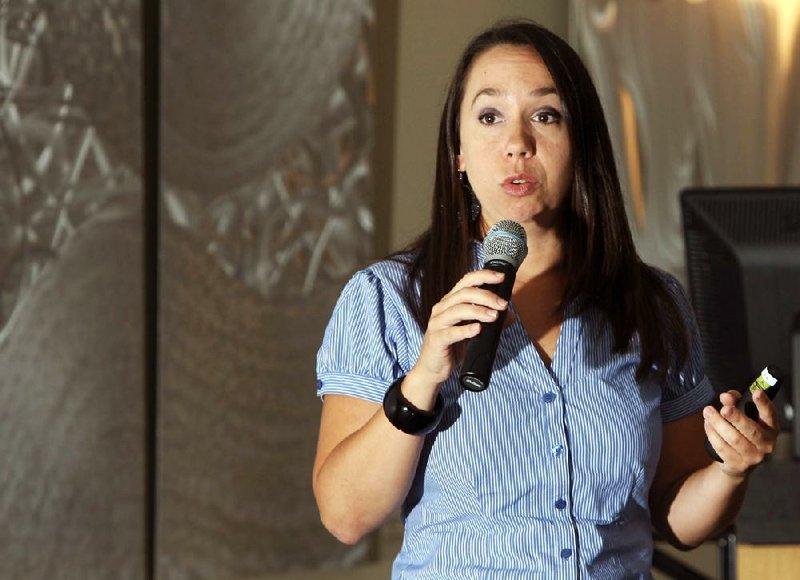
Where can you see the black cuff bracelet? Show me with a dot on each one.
(405, 416)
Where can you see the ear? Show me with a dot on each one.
(460, 160)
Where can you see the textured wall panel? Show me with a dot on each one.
(71, 386)
(267, 139)
(238, 424)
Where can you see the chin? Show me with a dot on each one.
(543, 218)
(528, 215)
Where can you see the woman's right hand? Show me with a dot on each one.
(365, 465)
(455, 318)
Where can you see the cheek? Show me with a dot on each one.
(470, 159)
(562, 166)
(558, 170)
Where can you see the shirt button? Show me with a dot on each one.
(566, 553)
(549, 397)
(560, 504)
(558, 450)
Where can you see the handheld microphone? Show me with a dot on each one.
(504, 248)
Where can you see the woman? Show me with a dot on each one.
(591, 432)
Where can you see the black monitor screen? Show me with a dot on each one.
(743, 263)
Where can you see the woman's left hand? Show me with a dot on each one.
(739, 441)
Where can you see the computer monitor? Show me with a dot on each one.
(743, 264)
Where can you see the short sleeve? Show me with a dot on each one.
(359, 352)
(689, 391)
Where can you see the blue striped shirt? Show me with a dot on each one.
(543, 475)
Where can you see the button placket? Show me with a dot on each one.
(553, 414)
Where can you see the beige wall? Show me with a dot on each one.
(430, 38)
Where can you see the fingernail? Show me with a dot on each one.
(707, 412)
(726, 412)
(492, 313)
(502, 303)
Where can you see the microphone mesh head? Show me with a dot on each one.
(506, 241)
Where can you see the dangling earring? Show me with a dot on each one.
(474, 204)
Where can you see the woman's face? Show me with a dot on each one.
(515, 144)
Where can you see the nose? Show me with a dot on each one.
(521, 143)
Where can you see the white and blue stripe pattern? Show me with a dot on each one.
(543, 475)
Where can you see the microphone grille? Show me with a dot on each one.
(506, 241)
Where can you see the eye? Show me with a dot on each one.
(489, 117)
(547, 116)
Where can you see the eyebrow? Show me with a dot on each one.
(492, 92)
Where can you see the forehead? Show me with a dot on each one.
(506, 64)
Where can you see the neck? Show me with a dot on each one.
(545, 254)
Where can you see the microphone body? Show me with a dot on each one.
(476, 369)
(504, 248)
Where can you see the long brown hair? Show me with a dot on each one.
(602, 267)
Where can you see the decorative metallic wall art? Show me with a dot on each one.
(697, 93)
(268, 135)
(71, 386)
(55, 167)
(266, 187)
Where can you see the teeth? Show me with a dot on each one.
(519, 181)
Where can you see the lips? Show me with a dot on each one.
(520, 184)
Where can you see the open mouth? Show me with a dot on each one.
(519, 184)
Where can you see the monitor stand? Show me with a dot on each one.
(795, 386)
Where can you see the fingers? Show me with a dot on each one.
(730, 398)
(461, 312)
(737, 429)
(457, 317)
(475, 296)
(465, 305)
(767, 413)
(477, 278)
(445, 337)
(740, 442)
(724, 450)
(468, 292)
(737, 452)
